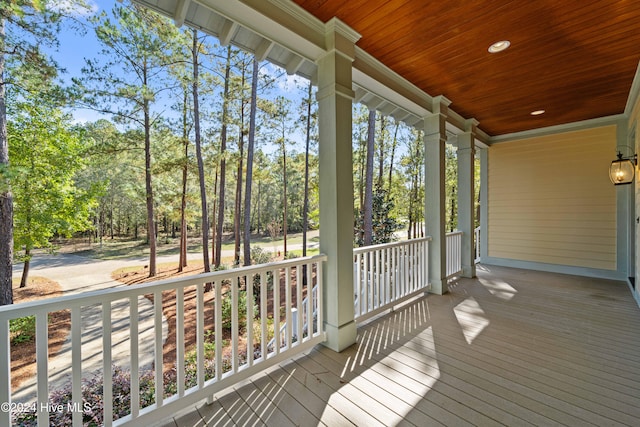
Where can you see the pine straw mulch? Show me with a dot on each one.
(23, 355)
(141, 275)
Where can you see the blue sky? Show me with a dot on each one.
(74, 48)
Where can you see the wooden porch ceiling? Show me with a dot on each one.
(575, 60)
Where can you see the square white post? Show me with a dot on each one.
(466, 196)
(335, 97)
(435, 138)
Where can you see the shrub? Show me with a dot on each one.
(22, 329)
(92, 400)
(227, 307)
(260, 256)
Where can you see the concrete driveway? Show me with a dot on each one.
(77, 274)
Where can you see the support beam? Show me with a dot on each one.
(335, 97)
(294, 65)
(263, 49)
(181, 12)
(466, 196)
(228, 31)
(435, 138)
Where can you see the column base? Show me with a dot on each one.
(439, 286)
(340, 337)
(469, 271)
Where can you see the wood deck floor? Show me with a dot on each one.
(512, 347)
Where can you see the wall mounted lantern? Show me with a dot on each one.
(622, 170)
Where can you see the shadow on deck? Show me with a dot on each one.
(511, 347)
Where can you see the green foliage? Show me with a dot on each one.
(260, 256)
(46, 152)
(22, 329)
(384, 225)
(227, 309)
(451, 187)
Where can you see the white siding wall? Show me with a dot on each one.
(550, 199)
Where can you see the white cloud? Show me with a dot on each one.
(69, 7)
(285, 83)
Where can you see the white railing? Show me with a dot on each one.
(304, 320)
(454, 253)
(231, 338)
(476, 245)
(385, 275)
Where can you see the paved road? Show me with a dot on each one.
(77, 274)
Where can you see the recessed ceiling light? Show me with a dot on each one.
(537, 112)
(499, 46)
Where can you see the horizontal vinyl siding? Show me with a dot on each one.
(551, 201)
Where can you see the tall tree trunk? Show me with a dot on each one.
(111, 221)
(237, 214)
(25, 270)
(250, 149)
(151, 229)
(361, 157)
(284, 191)
(394, 144)
(6, 198)
(203, 187)
(452, 212)
(259, 204)
(213, 214)
(368, 191)
(183, 206)
(223, 148)
(420, 199)
(381, 153)
(305, 206)
(410, 214)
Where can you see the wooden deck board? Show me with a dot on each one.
(512, 347)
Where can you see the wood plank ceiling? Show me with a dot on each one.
(574, 59)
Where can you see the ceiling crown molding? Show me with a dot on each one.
(567, 127)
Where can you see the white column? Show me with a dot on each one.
(484, 202)
(435, 138)
(336, 183)
(466, 196)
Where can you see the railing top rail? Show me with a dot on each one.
(114, 294)
(455, 233)
(390, 245)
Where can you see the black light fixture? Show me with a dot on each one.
(622, 170)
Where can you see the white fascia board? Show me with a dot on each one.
(275, 20)
(255, 15)
(373, 86)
